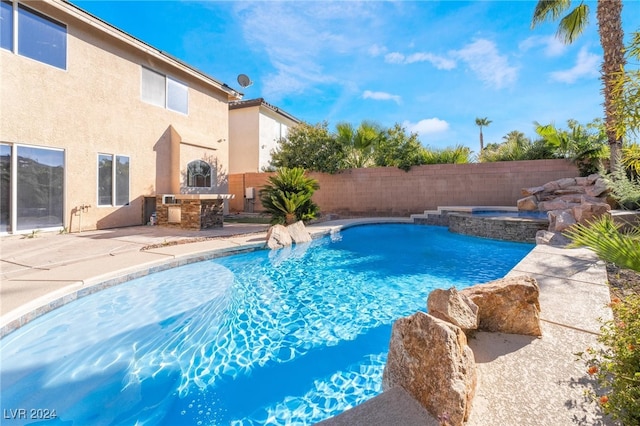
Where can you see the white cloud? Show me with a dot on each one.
(301, 44)
(394, 58)
(381, 96)
(439, 62)
(377, 50)
(586, 66)
(551, 45)
(485, 61)
(427, 126)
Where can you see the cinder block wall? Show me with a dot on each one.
(389, 191)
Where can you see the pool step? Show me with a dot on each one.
(440, 217)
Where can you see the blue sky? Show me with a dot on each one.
(432, 66)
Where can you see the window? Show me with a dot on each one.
(38, 36)
(177, 96)
(40, 188)
(6, 25)
(160, 90)
(153, 88)
(113, 180)
(5, 187)
(198, 174)
(31, 187)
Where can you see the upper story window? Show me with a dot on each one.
(6, 25)
(37, 37)
(163, 91)
(199, 174)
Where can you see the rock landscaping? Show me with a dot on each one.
(428, 353)
(568, 201)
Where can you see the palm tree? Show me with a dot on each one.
(480, 122)
(609, 15)
(359, 143)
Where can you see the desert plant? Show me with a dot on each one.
(608, 241)
(623, 188)
(358, 143)
(609, 16)
(482, 122)
(458, 154)
(631, 159)
(617, 365)
(287, 196)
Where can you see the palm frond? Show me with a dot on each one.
(572, 25)
(605, 238)
(548, 10)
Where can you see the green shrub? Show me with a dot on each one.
(617, 366)
(287, 196)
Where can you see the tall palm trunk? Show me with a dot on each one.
(611, 39)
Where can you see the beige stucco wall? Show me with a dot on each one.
(94, 106)
(389, 191)
(254, 132)
(273, 126)
(244, 128)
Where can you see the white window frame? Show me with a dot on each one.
(15, 41)
(114, 189)
(13, 191)
(167, 81)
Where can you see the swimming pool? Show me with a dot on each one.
(291, 336)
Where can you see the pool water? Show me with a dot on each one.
(520, 214)
(290, 336)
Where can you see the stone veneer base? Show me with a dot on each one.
(501, 228)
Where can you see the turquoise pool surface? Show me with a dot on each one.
(290, 336)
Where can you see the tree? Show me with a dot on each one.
(287, 196)
(482, 122)
(586, 146)
(310, 147)
(358, 144)
(396, 148)
(458, 154)
(609, 15)
(626, 94)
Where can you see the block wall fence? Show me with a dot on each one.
(389, 191)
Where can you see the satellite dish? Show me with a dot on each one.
(244, 80)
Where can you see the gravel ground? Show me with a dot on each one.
(622, 282)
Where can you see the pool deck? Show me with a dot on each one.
(522, 380)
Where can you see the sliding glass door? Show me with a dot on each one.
(31, 188)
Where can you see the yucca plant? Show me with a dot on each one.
(287, 196)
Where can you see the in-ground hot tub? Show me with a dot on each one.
(501, 223)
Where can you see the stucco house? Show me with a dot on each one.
(255, 128)
(96, 123)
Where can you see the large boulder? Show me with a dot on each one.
(598, 188)
(552, 238)
(508, 305)
(451, 306)
(278, 237)
(529, 203)
(431, 360)
(559, 220)
(299, 233)
(588, 211)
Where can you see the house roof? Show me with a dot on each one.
(261, 102)
(71, 9)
